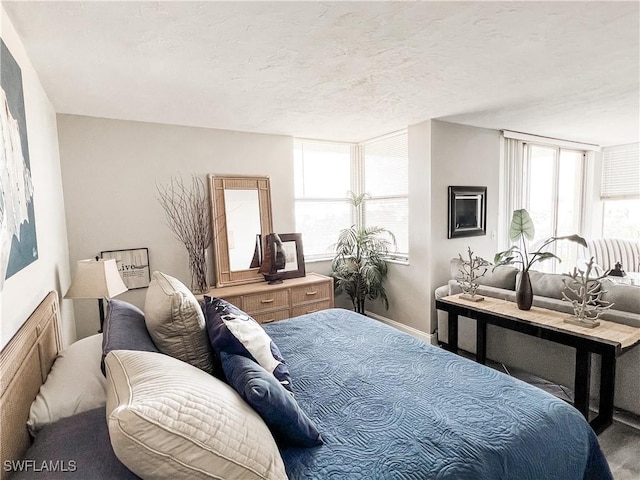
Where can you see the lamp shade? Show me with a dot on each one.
(96, 279)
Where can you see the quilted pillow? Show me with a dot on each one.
(74, 384)
(277, 407)
(233, 331)
(168, 420)
(175, 322)
(124, 329)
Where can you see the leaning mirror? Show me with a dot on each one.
(241, 211)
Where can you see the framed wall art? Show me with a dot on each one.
(18, 240)
(133, 266)
(467, 211)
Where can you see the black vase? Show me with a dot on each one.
(524, 293)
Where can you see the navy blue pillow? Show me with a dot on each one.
(277, 407)
(124, 329)
(231, 330)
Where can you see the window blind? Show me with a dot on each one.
(386, 180)
(621, 171)
(322, 173)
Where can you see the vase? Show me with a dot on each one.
(198, 269)
(524, 293)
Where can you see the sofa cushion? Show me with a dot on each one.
(624, 297)
(500, 277)
(168, 420)
(549, 285)
(176, 323)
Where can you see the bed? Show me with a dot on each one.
(387, 405)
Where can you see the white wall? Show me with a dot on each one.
(464, 156)
(110, 171)
(23, 292)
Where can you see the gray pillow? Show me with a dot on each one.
(624, 297)
(500, 277)
(124, 329)
(548, 284)
(80, 445)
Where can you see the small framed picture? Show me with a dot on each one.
(133, 266)
(467, 211)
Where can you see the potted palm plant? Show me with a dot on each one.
(359, 268)
(521, 230)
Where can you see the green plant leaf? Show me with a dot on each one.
(521, 224)
(506, 257)
(542, 256)
(573, 238)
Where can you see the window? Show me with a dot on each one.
(325, 172)
(620, 191)
(553, 197)
(322, 176)
(385, 174)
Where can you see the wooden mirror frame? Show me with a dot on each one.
(217, 186)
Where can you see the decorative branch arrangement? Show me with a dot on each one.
(587, 302)
(469, 273)
(187, 213)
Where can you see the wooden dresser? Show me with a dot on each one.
(269, 303)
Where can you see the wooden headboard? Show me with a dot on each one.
(24, 365)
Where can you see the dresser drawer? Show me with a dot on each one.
(261, 302)
(310, 293)
(269, 317)
(311, 307)
(237, 301)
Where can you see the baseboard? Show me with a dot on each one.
(425, 337)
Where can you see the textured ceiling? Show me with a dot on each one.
(343, 70)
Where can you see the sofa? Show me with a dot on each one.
(543, 358)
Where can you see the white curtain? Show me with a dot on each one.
(511, 186)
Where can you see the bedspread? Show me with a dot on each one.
(390, 406)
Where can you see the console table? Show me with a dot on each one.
(269, 303)
(609, 340)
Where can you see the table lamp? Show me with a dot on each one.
(99, 279)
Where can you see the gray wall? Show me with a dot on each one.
(111, 167)
(110, 171)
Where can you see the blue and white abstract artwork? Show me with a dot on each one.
(18, 242)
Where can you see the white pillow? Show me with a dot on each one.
(168, 420)
(176, 323)
(75, 384)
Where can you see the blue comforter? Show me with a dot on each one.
(390, 406)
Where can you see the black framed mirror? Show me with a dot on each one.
(467, 211)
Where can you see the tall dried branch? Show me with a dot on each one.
(187, 214)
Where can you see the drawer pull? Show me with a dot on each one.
(313, 292)
(312, 311)
(269, 320)
(267, 301)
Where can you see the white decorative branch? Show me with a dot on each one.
(587, 291)
(469, 273)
